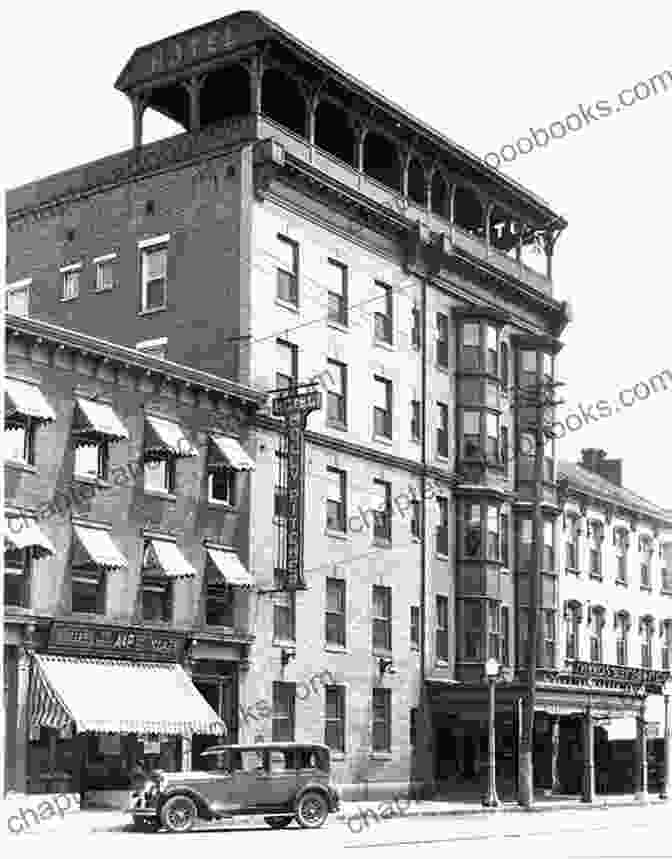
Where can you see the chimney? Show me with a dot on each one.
(594, 459)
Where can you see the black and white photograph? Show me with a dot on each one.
(336, 498)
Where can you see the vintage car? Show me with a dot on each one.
(281, 781)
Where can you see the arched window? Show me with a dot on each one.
(282, 100)
(381, 160)
(333, 134)
(596, 633)
(646, 625)
(622, 626)
(417, 183)
(573, 622)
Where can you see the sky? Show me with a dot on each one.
(482, 74)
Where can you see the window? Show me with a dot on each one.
(336, 515)
(382, 513)
(525, 529)
(548, 627)
(471, 434)
(17, 576)
(337, 294)
(504, 365)
(442, 340)
(646, 549)
(382, 618)
(412, 726)
(159, 475)
(549, 462)
(646, 628)
(70, 283)
(335, 613)
(382, 407)
(549, 555)
(472, 530)
(280, 499)
(416, 337)
(334, 721)
(284, 700)
(415, 626)
(472, 630)
(595, 553)
(622, 622)
(666, 579)
(91, 460)
(222, 486)
(415, 420)
(527, 446)
(17, 298)
(596, 633)
(622, 542)
(524, 637)
(154, 262)
(493, 539)
(219, 603)
(666, 647)
(442, 442)
(382, 318)
(337, 393)
(415, 515)
(528, 375)
(287, 256)
(88, 590)
(493, 630)
(492, 349)
(573, 620)
(504, 539)
(506, 631)
(157, 599)
(287, 356)
(442, 527)
(572, 544)
(471, 346)
(492, 437)
(284, 610)
(382, 716)
(442, 615)
(19, 439)
(504, 453)
(105, 267)
(157, 348)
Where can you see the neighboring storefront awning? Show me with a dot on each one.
(26, 400)
(110, 696)
(95, 421)
(95, 546)
(224, 567)
(165, 439)
(226, 452)
(165, 557)
(23, 532)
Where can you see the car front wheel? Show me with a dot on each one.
(179, 814)
(278, 822)
(312, 810)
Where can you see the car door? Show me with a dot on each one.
(276, 787)
(241, 793)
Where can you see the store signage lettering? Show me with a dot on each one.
(634, 676)
(295, 408)
(111, 641)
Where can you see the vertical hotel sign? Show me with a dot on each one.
(295, 407)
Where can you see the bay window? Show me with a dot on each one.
(492, 539)
(472, 630)
(470, 353)
(471, 546)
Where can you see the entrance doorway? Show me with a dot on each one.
(218, 684)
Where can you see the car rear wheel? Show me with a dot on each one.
(312, 810)
(179, 814)
(279, 822)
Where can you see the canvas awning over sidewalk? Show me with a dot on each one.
(110, 696)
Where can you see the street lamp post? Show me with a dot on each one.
(491, 672)
(642, 794)
(667, 742)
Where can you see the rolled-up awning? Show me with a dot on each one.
(224, 567)
(22, 532)
(98, 420)
(109, 696)
(165, 557)
(95, 546)
(227, 452)
(24, 399)
(165, 438)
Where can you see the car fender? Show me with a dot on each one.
(316, 786)
(201, 802)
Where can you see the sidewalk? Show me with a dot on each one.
(91, 822)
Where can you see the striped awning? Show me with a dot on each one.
(165, 439)
(95, 421)
(224, 567)
(226, 452)
(95, 546)
(23, 532)
(110, 696)
(164, 557)
(26, 400)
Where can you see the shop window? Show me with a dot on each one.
(337, 292)
(442, 630)
(382, 618)
(334, 720)
(18, 564)
(287, 259)
(381, 734)
(335, 612)
(284, 702)
(219, 605)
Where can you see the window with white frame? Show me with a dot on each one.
(287, 259)
(622, 629)
(287, 369)
(382, 407)
(572, 543)
(572, 630)
(153, 270)
(221, 486)
(70, 282)
(334, 718)
(442, 340)
(442, 627)
(337, 292)
(92, 459)
(17, 298)
(442, 526)
(337, 393)
(596, 633)
(596, 529)
(646, 632)
(381, 733)
(382, 317)
(336, 509)
(622, 542)
(646, 556)
(335, 612)
(159, 475)
(105, 271)
(382, 618)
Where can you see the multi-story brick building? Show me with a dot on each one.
(126, 554)
(305, 227)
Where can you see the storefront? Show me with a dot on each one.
(109, 704)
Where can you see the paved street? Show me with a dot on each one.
(624, 832)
